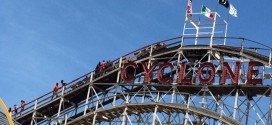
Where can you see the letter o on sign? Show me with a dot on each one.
(212, 73)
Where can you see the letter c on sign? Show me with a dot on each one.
(124, 72)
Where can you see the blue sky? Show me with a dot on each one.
(45, 41)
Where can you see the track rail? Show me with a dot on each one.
(117, 111)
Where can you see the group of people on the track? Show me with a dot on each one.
(147, 49)
(15, 109)
(102, 66)
(158, 46)
(57, 87)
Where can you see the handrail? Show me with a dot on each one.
(28, 106)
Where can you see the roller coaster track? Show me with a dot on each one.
(116, 111)
(103, 97)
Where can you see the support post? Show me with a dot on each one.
(270, 109)
(124, 116)
(221, 113)
(115, 93)
(117, 80)
(125, 111)
(150, 55)
(88, 95)
(87, 100)
(209, 55)
(143, 97)
(91, 78)
(119, 71)
(235, 103)
(61, 102)
(65, 120)
(196, 37)
(187, 115)
(178, 62)
(34, 113)
(95, 113)
(173, 94)
(155, 115)
(247, 110)
(156, 109)
(203, 102)
(182, 41)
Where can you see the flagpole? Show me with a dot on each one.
(186, 10)
(228, 17)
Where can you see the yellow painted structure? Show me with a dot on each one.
(2, 104)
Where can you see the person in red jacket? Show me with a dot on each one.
(103, 65)
(55, 91)
(10, 111)
(23, 103)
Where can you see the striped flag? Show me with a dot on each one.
(207, 12)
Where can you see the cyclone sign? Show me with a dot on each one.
(203, 69)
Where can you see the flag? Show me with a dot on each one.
(207, 12)
(232, 11)
(189, 10)
(225, 3)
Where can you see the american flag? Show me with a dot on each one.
(189, 8)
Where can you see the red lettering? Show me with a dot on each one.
(227, 70)
(160, 73)
(149, 71)
(124, 74)
(211, 76)
(205, 74)
(252, 72)
(181, 78)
